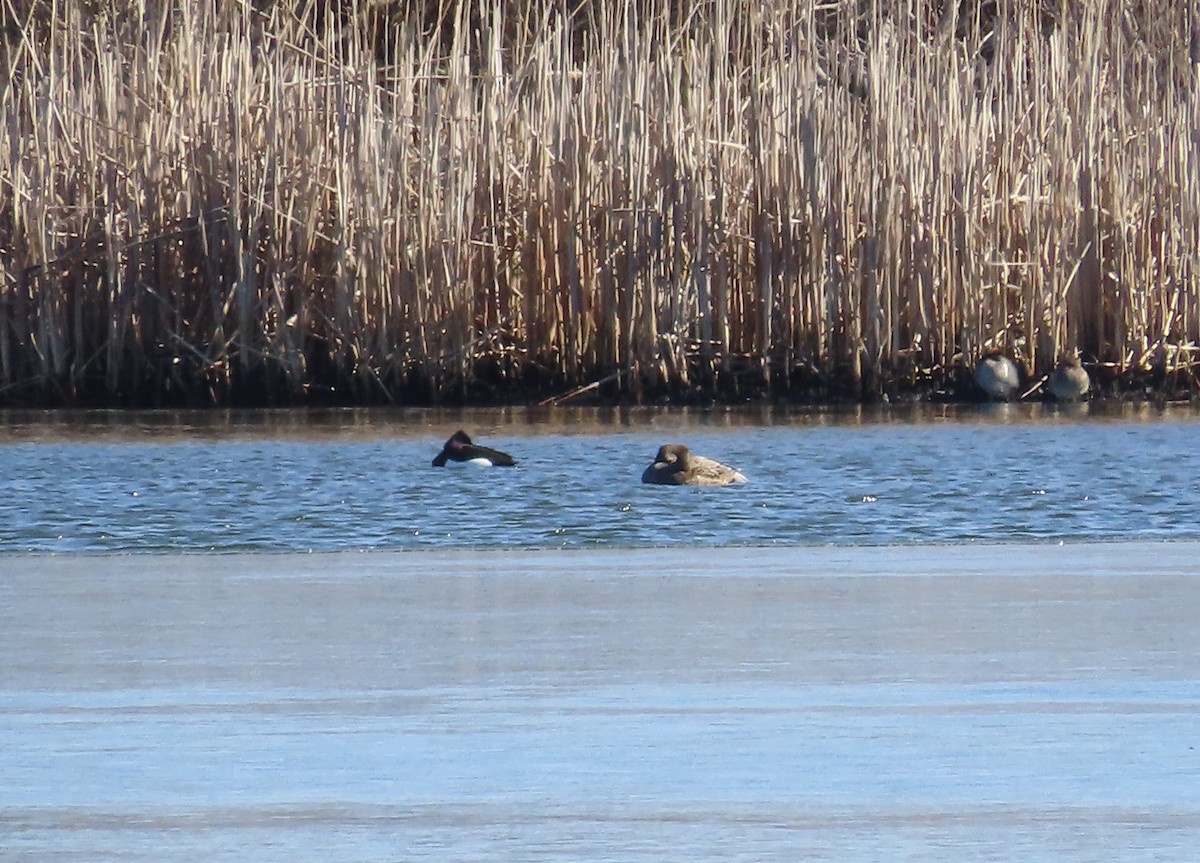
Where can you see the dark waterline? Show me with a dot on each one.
(368, 423)
(361, 479)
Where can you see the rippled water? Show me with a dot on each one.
(877, 649)
(364, 480)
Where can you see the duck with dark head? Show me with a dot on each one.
(460, 449)
(676, 465)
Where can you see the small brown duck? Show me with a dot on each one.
(675, 465)
(460, 449)
(1069, 381)
(997, 376)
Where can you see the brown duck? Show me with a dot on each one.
(1069, 381)
(676, 465)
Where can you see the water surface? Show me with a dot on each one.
(917, 634)
(1034, 703)
(338, 480)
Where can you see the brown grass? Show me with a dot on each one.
(251, 203)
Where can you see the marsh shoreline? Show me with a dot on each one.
(509, 202)
(618, 389)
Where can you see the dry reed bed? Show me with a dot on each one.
(218, 202)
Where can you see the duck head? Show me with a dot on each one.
(670, 465)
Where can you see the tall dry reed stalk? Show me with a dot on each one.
(246, 202)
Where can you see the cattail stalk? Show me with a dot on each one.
(375, 202)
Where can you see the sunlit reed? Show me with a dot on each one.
(258, 202)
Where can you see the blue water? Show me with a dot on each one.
(929, 634)
(1028, 702)
(1008, 473)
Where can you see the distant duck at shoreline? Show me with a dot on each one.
(676, 465)
(997, 376)
(1069, 381)
(459, 448)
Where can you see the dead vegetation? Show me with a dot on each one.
(249, 202)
